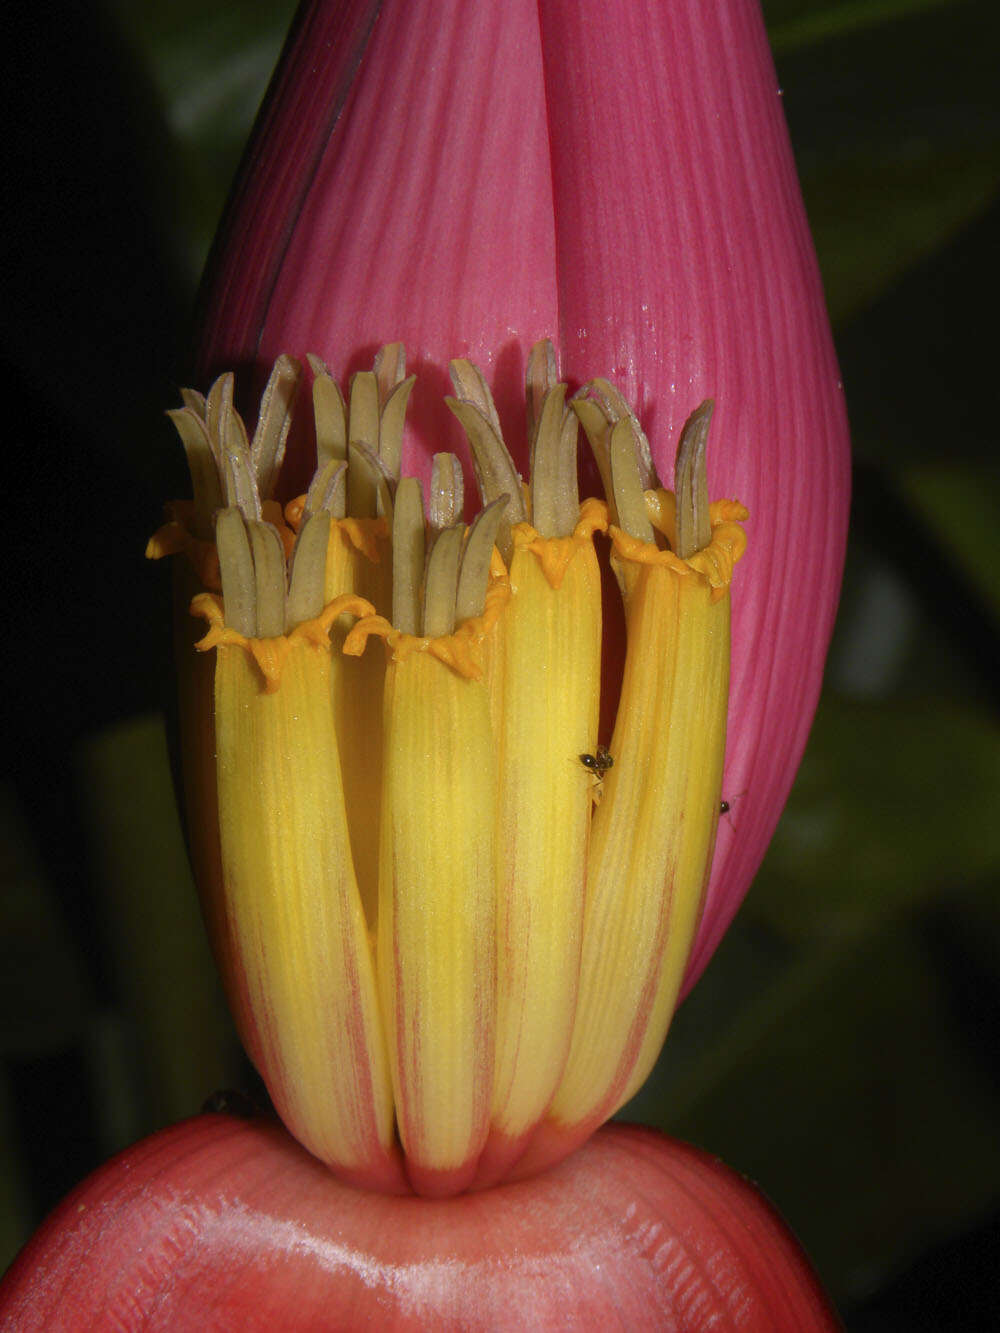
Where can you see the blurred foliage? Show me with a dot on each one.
(841, 1047)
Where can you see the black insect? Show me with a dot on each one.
(230, 1101)
(598, 763)
(726, 806)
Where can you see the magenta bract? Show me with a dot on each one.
(469, 178)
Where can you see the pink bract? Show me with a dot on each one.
(220, 1223)
(615, 174)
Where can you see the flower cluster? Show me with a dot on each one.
(453, 922)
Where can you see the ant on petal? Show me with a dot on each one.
(598, 764)
(725, 806)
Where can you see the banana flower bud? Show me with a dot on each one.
(453, 914)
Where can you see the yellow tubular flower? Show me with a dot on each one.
(294, 915)
(654, 832)
(437, 882)
(452, 923)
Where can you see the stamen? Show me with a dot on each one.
(330, 414)
(364, 410)
(372, 426)
(273, 422)
(390, 369)
(407, 555)
(542, 375)
(617, 409)
(239, 483)
(471, 387)
(362, 429)
(203, 466)
(219, 405)
(362, 480)
(496, 474)
(694, 528)
(447, 498)
(328, 491)
(379, 476)
(269, 579)
(390, 442)
(308, 574)
(195, 401)
(474, 573)
(441, 583)
(555, 496)
(600, 408)
(239, 596)
(626, 482)
(597, 429)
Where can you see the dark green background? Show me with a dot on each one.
(842, 1047)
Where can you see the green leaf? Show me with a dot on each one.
(960, 502)
(894, 112)
(795, 23)
(44, 999)
(847, 1088)
(172, 998)
(210, 65)
(891, 802)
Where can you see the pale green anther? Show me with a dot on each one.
(447, 497)
(368, 428)
(597, 429)
(269, 579)
(390, 442)
(441, 583)
(470, 387)
(541, 375)
(218, 405)
(496, 474)
(233, 438)
(626, 482)
(308, 572)
(362, 480)
(694, 527)
(407, 555)
(327, 491)
(239, 596)
(239, 484)
(473, 576)
(364, 410)
(195, 401)
(330, 414)
(494, 467)
(555, 500)
(204, 468)
(616, 409)
(373, 479)
(390, 369)
(621, 452)
(273, 422)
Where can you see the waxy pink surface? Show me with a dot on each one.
(470, 178)
(226, 1224)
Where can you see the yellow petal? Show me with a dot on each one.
(551, 645)
(654, 832)
(359, 561)
(436, 909)
(295, 928)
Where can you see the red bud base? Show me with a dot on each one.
(220, 1223)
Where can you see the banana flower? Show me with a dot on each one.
(453, 823)
(454, 913)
